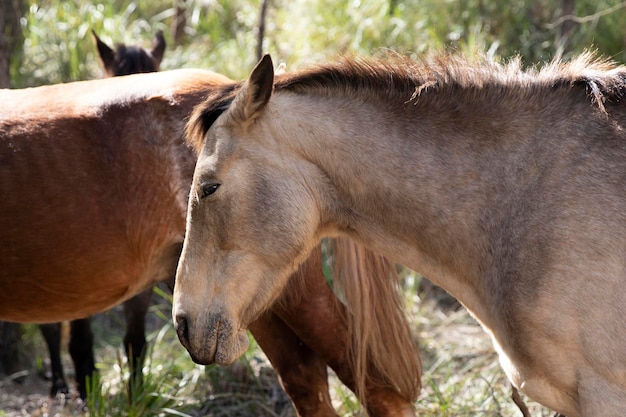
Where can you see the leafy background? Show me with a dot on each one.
(222, 34)
(462, 376)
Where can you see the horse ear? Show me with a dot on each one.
(158, 48)
(255, 92)
(106, 54)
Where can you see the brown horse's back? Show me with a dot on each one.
(94, 177)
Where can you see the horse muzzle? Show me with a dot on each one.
(214, 340)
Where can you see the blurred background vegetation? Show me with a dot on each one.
(222, 34)
(49, 41)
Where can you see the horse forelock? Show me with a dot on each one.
(205, 114)
(398, 77)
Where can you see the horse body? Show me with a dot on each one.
(505, 187)
(106, 185)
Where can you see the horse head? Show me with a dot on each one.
(251, 222)
(126, 60)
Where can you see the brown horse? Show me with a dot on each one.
(96, 179)
(504, 186)
(125, 60)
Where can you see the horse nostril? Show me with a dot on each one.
(182, 330)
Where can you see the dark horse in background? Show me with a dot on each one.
(124, 60)
(95, 178)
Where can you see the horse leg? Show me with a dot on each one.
(52, 335)
(135, 310)
(81, 351)
(302, 373)
(10, 335)
(317, 318)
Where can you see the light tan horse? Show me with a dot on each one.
(506, 187)
(95, 179)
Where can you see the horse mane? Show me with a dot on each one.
(397, 77)
(205, 114)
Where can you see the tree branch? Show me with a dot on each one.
(586, 19)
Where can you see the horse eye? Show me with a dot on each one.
(208, 189)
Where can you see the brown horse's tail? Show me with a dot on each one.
(377, 323)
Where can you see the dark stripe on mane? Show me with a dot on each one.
(398, 77)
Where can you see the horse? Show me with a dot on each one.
(96, 178)
(124, 60)
(504, 185)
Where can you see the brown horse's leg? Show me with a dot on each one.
(81, 351)
(317, 319)
(52, 335)
(303, 374)
(135, 310)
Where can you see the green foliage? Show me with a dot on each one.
(167, 387)
(221, 34)
(412, 26)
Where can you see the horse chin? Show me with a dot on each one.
(227, 354)
(218, 345)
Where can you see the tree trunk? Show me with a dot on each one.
(567, 27)
(261, 33)
(567, 8)
(179, 21)
(11, 37)
(11, 44)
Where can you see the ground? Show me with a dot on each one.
(30, 398)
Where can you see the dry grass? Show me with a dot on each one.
(462, 375)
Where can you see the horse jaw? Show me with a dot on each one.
(215, 302)
(225, 278)
(206, 323)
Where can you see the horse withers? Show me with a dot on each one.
(506, 187)
(96, 178)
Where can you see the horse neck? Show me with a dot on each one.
(414, 185)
